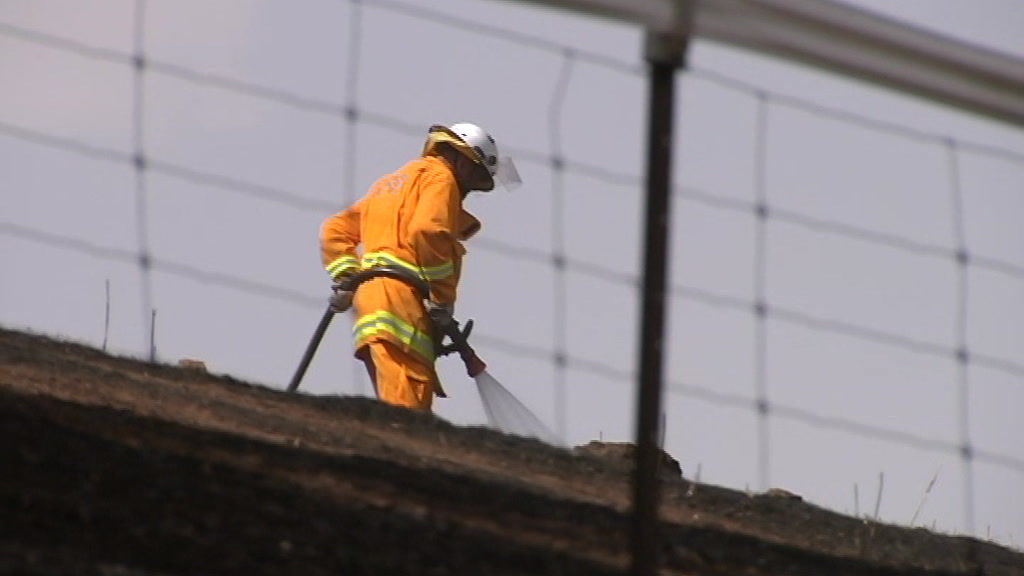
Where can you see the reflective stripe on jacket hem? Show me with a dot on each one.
(384, 321)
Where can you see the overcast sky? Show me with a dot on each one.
(240, 115)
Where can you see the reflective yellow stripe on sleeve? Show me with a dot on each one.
(437, 272)
(384, 321)
(341, 265)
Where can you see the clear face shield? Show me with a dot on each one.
(506, 174)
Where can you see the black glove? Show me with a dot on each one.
(440, 317)
(454, 346)
(341, 299)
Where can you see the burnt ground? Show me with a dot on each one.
(117, 467)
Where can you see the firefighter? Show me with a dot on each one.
(412, 219)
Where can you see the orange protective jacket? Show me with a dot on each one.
(412, 218)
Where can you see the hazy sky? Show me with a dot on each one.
(240, 114)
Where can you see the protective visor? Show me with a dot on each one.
(506, 174)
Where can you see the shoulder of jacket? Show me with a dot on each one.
(433, 169)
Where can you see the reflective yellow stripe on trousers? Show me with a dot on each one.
(438, 272)
(384, 321)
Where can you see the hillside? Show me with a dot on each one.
(118, 467)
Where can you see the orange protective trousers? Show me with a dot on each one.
(398, 377)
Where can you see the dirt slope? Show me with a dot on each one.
(116, 467)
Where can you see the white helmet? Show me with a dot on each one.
(485, 151)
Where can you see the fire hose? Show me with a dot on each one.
(504, 411)
(451, 328)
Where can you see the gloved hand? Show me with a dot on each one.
(453, 346)
(440, 317)
(340, 300)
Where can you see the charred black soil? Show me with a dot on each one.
(118, 467)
